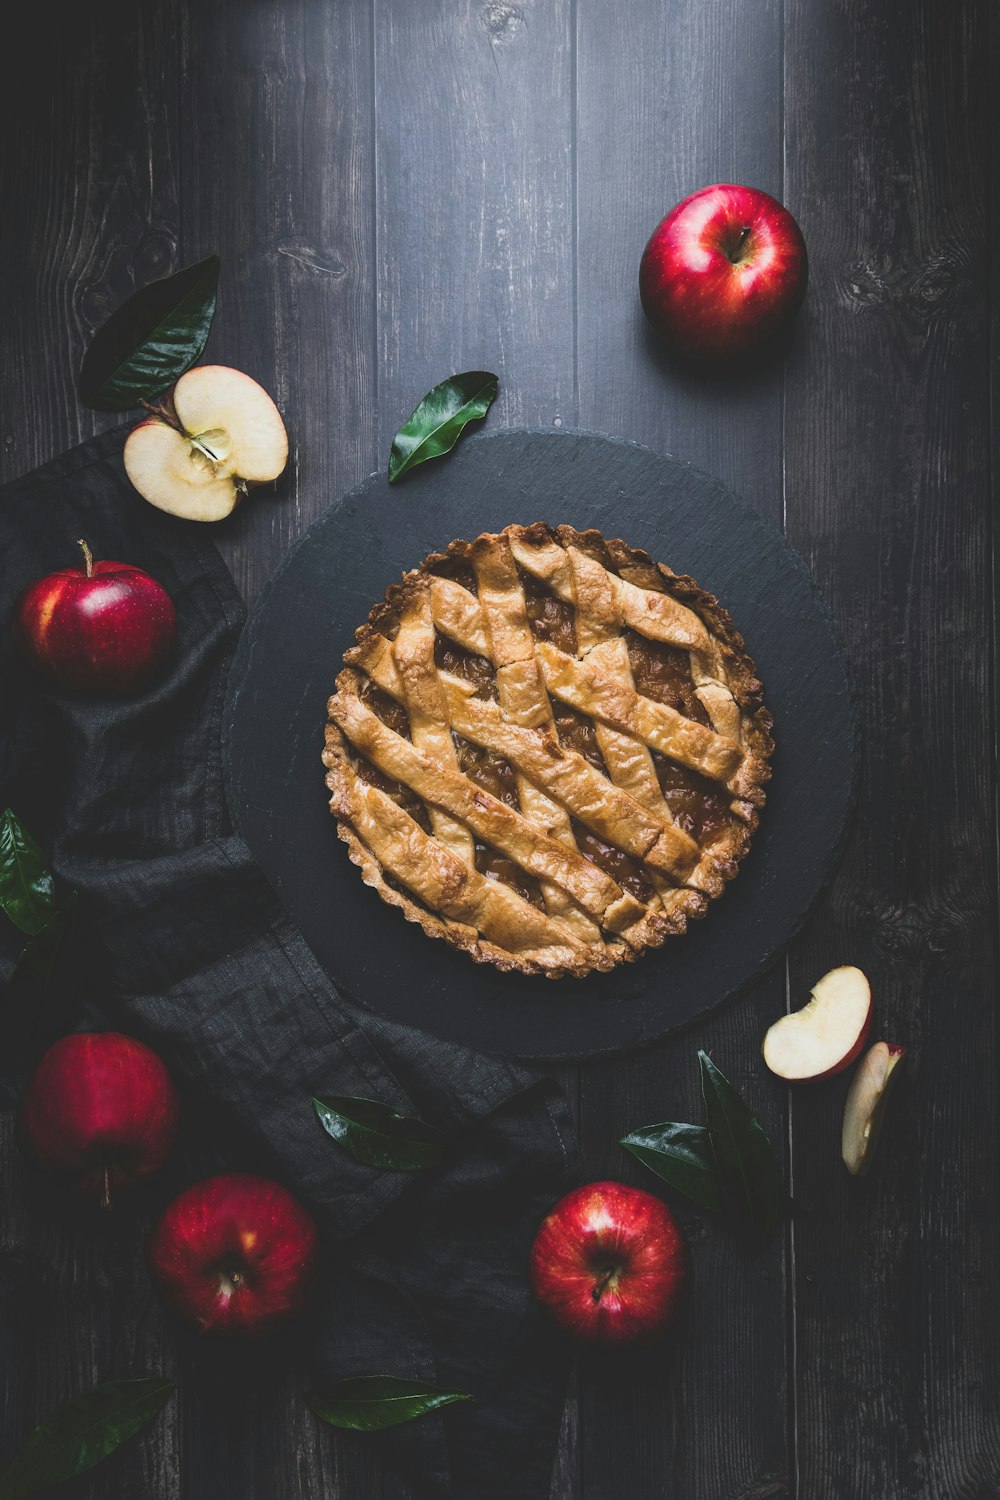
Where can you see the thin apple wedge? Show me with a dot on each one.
(224, 434)
(827, 1034)
(865, 1106)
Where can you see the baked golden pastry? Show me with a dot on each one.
(547, 750)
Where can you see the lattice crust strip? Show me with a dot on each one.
(560, 857)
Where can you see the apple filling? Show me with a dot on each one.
(661, 673)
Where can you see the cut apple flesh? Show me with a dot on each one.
(864, 1108)
(232, 415)
(171, 473)
(232, 436)
(826, 1034)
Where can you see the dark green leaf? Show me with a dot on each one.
(436, 425)
(379, 1137)
(369, 1403)
(682, 1156)
(37, 958)
(82, 1432)
(27, 890)
(748, 1167)
(156, 334)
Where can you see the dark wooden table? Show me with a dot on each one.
(403, 188)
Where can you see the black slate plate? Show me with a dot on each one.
(288, 658)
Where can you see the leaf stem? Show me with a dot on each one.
(105, 1186)
(88, 556)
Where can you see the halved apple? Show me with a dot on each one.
(865, 1105)
(228, 434)
(826, 1034)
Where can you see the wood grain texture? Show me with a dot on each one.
(277, 159)
(473, 207)
(277, 162)
(647, 133)
(475, 241)
(888, 455)
(91, 130)
(77, 1308)
(403, 188)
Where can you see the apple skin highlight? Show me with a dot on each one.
(609, 1263)
(100, 1106)
(103, 628)
(234, 1254)
(723, 272)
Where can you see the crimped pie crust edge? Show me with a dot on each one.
(756, 725)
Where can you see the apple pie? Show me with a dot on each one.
(547, 749)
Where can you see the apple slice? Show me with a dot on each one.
(228, 434)
(826, 1034)
(864, 1108)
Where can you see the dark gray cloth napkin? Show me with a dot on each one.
(180, 940)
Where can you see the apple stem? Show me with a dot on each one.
(230, 1279)
(88, 556)
(105, 1187)
(737, 254)
(597, 1291)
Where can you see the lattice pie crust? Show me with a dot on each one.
(547, 749)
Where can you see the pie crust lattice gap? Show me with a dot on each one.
(547, 750)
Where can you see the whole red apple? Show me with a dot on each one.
(235, 1253)
(609, 1263)
(104, 627)
(723, 272)
(101, 1106)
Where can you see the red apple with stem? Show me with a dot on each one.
(104, 627)
(100, 1106)
(723, 272)
(235, 1253)
(609, 1263)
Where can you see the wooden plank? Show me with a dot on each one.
(77, 1308)
(474, 234)
(888, 458)
(277, 174)
(89, 177)
(277, 171)
(669, 100)
(89, 121)
(674, 99)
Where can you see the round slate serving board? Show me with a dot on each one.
(289, 655)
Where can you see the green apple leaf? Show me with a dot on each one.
(81, 1433)
(438, 422)
(148, 342)
(748, 1168)
(379, 1137)
(682, 1156)
(37, 958)
(370, 1403)
(27, 889)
